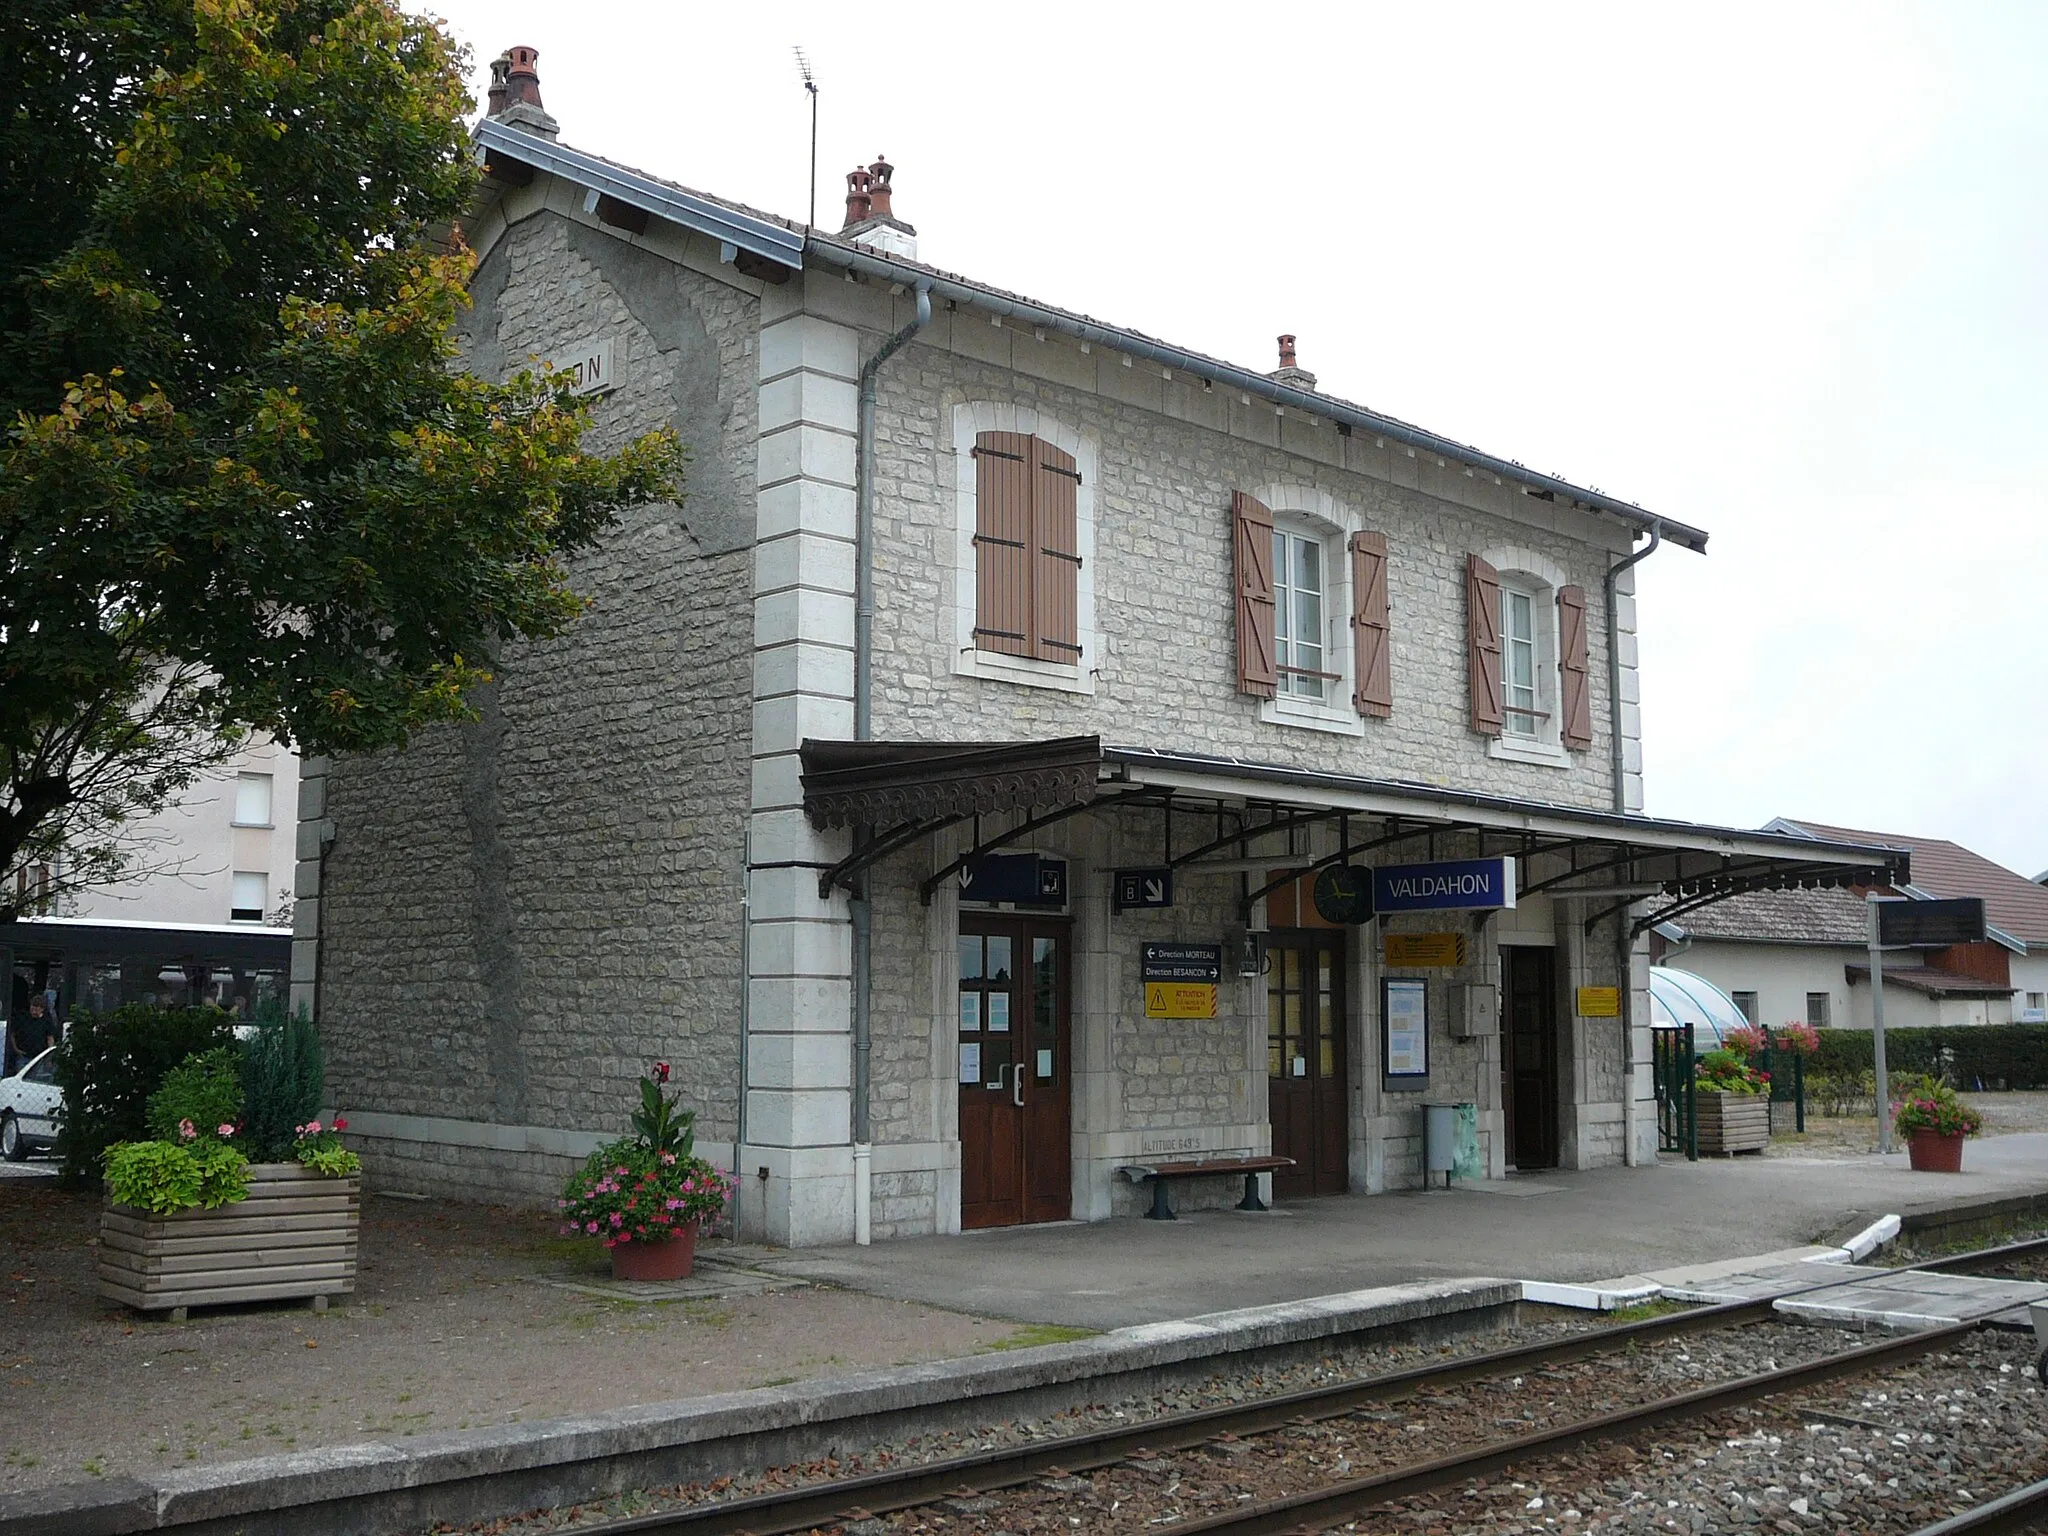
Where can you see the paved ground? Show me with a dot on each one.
(1569, 1226)
(462, 1318)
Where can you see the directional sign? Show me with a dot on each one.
(1931, 922)
(1022, 879)
(1136, 889)
(1180, 979)
(1469, 884)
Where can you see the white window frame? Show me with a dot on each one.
(269, 799)
(970, 420)
(1306, 513)
(262, 880)
(1537, 577)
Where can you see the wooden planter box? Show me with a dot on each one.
(1734, 1122)
(294, 1236)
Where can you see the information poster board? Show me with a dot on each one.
(1599, 1002)
(1404, 1031)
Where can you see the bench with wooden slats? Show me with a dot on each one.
(1161, 1174)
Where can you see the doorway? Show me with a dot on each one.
(1528, 1055)
(1305, 1067)
(1014, 1069)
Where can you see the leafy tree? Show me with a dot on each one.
(242, 485)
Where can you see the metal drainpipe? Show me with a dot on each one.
(863, 660)
(739, 1133)
(1624, 951)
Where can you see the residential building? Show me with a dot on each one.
(1804, 954)
(976, 787)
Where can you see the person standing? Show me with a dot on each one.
(29, 1036)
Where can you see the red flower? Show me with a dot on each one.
(340, 1124)
(661, 1071)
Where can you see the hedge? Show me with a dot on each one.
(108, 1067)
(1973, 1056)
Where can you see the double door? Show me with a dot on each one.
(1014, 1070)
(1305, 1067)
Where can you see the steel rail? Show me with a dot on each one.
(1987, 1258)
(1317, 1510)
(2024, 1509)
(799, 1509)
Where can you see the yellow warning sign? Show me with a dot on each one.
(1424, 948)
(1599, 1002)
(1180, 1000)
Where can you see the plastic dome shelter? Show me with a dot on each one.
(1681, 997)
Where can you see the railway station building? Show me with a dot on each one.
(1031, 752)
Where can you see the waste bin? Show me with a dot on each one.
(1450, 1141)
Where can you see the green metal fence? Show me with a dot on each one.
(1678, 1120)
(1787, 1070)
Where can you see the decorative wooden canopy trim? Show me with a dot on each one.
(853, 784)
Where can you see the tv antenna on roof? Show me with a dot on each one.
(803, 66)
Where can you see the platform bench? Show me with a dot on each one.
(1162, 1173)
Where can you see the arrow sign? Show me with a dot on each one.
(1138, 889)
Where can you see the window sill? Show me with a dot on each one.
(1521, 749)
(259, 826)
(1305, 715)
(993, 666)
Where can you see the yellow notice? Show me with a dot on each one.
(1424, 948)
(1599, 1002)
(1180, 1000)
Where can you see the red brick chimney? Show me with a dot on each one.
(515, 92)
(522, 80)
(1290, 372)
(870, 216)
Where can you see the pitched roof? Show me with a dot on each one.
(769, 236)
(1941, 868)
(1782, 917)
(1927, 979)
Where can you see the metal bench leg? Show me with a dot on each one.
(1251, 1200)
(1160, 1211)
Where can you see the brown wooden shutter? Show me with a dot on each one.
(1004, 562)
(1482, 644)
(1575, 702)
(1256, 673)
(1056, 486)
(1373, 689)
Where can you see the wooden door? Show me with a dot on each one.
(1015, 1071)
(1528, 1055)
(1305, 1067)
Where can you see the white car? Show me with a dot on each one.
(28, 1108)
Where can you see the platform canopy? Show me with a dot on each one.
(1221, 814)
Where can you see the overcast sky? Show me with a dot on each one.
(1776, 271)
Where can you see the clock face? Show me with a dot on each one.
(1343, 894)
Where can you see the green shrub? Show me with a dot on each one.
(203, 1091)
(1842, 1093)
(109, 1066)
(164, 1178)
(1973, 1057)
(283, 1077)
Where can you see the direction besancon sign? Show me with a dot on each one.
(1470, 884)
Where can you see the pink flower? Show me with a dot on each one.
(675, 1205)
(187, 1130)
(592, 1227)
(312, 1128)
(668, 1158)
(226, 1130)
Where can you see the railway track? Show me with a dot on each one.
(1020, 1487)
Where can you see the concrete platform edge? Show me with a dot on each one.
(334, 1488)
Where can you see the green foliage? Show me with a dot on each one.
(164, 1177)
(241, 485)
(283, 1076)
(1928, 1104)
(1842, 1093)
(203, 1092)
(330, 1161)
(1728, 1071)
(108, 1067)
(661, 1123)
(647, 1186)
(1974, 1056)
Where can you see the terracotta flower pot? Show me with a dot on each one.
(669, 1258)
(1932, 1152)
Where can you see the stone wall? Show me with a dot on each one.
(518, 915)
(1164, 669)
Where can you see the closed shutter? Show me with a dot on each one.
(1482, 644)
(1004, 559)
(1373, 693)
(1056, 542)
(1576, 704)
(1256, 673)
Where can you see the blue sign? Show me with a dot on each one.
(1023, 879)
(1136, 889)
(1476, 884)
